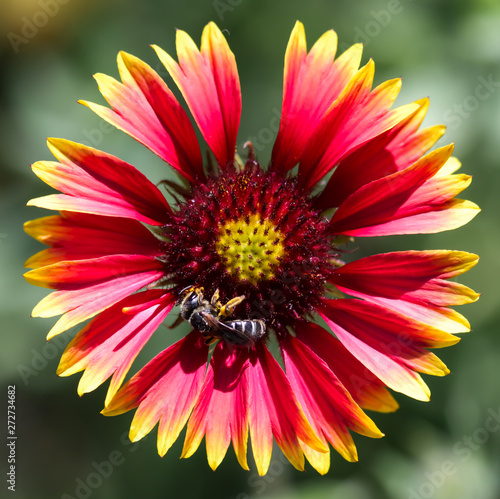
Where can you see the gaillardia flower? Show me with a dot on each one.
(254, 256)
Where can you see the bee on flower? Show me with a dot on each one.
(254, 255)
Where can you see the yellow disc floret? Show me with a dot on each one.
(251, 248)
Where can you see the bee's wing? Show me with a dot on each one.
(253, 334)
(224, 331)
(212, 321)
(235, 337)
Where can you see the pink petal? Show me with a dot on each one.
(109, 344)
(221, 412)
(311, 83)
(415, 200)
(78, 236)
(273, 410)
(208, 80)
(356, 117)
(91, 298)
(75, 275)
(387, 275)
(164, 390)
(392, 151)
(145, 108)
(95, 182)
(328, 406)
(424, 295)
(390, 345)
(363, 386)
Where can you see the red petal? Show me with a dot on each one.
(390, 345)
(311, 83)
(273, 410)
(78, 305)
(356, 117)
(387, 275)
(164, 390)
(391, 151)
(327, 405)
(215, 49)
(424, 295)
(145, 108)
(95, 182)
(210, 85)
(74, 275)
(77, 236)
(363, 386)
(109, 344)
(415, 200)
(221, 412)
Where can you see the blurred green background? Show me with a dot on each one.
(447, 50)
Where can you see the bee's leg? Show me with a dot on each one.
(227, 309)
(209, 340)
(177, 321)
(215, 300)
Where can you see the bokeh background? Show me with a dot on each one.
(448, 50)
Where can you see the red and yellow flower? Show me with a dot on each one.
(119, 254)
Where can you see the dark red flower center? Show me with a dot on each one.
(253, 233)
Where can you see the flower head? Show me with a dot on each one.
(255, 256)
